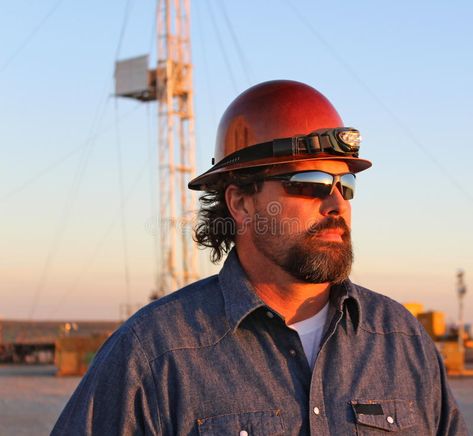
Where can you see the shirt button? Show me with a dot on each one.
(292, 352)
(270, 314)
(243, 433)
(316, 410)
(390, 419)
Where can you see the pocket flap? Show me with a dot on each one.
(388, 415)
(250, 423)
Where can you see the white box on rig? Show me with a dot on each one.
(131, 78)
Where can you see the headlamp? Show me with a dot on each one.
(351, 137)
(341, 141)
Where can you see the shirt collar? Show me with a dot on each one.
(344, 297)
(239, 295)
(241, 299)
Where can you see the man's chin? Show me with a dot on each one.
(317, 279)
(329, 262)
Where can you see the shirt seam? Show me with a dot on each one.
(160, 307)
(189, 347)
(389, 332)
(148, 361)
(276, 412)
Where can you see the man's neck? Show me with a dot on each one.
(294, 300)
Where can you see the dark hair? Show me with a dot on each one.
(216, 227)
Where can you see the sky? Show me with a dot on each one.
(401, 74)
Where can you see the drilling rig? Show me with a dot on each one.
(170, 85)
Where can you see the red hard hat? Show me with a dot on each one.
(251, 129)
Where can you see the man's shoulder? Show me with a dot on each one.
(381, 314)
(192, 317)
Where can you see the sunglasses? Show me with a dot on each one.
(317, 184)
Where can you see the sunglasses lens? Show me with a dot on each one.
(319, 184)
(307, 189)
(347, 181)
(311, 184)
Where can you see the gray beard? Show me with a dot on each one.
(307, 258)
(327, 262)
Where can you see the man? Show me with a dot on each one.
(280, 342)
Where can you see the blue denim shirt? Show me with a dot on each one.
(213, 359)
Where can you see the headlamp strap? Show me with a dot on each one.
(325, 141)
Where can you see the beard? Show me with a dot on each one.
(304, 256)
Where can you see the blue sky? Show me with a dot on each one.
(401, 73)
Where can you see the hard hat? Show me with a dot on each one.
(276, 123)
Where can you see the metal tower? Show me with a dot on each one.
(461, 291)
(176, 145)
(170, 84)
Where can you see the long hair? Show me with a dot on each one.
(216, 228)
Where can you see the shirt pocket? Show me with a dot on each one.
(263, 423)
(381, 416)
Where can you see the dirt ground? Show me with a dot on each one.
(31, 398)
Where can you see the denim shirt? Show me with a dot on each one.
(213, 359)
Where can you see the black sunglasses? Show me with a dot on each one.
(317, 184)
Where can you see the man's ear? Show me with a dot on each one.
(239, 204)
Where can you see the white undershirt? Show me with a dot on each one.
(310, 331)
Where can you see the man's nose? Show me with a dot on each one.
(334, 204)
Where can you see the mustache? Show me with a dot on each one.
(329, 223)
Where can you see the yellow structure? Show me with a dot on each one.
(454, 358)
(74, 354)
(433, 322)
(414, 308)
